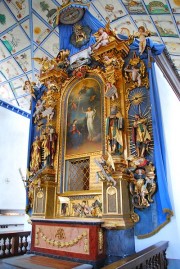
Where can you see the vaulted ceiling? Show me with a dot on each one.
(28, 30)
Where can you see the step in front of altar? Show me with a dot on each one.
(41, 262)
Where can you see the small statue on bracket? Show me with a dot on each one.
(106, 169)
(111, 91)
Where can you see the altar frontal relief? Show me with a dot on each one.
(84, 118)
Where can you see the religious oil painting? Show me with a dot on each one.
(84, 118)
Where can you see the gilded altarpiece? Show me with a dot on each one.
(91, 159)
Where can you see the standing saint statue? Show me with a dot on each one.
(49, 141)
(141, 136)
(35, 163)
(114, 127)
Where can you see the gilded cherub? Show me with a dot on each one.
(109, 62)
(135, 74)
(62, 57)
(46, 64)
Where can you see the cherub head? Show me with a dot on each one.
(101, 30)
(141, 29)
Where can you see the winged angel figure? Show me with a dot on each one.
(105, 166)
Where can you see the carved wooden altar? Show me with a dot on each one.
(83, 161)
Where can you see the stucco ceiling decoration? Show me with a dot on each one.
(28, 30)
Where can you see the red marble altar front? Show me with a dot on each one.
(82, 239)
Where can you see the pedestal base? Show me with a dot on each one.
(119, 244)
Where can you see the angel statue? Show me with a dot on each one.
(141, 35)
(102, 39)
(106, 168)
(28, 88)
(38, 110)
(135, 74)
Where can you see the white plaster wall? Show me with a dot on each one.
(170, 113)
(13, 155)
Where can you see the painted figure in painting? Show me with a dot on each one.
(141, 136)
(75, 135)
(90, 114)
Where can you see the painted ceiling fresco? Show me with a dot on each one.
(28, 30)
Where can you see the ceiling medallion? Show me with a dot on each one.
(71, 15)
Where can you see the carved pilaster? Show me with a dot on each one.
(117, 212)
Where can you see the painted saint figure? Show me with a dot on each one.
(75, 135)
(141, 136)
(90, 115)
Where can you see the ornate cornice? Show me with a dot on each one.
(168, 69)
(14, 109)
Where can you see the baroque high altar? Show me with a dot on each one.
(91, 141)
